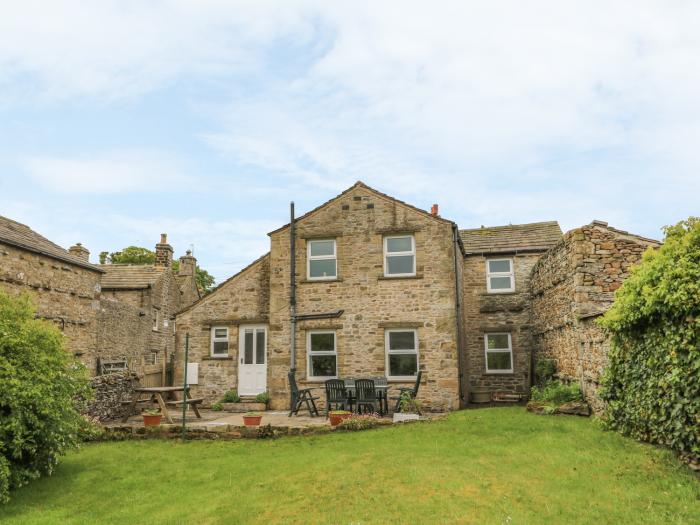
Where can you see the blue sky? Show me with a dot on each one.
(122, 120)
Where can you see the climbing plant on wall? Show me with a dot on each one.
(652, 384)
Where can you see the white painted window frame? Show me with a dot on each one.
(388, 254)
(215, 339)
(309, 353)
(388, 352)
(310, 258)
(510, 274)
(488, 351)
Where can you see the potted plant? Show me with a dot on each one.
(337, 416)
(151, 417)
(252, 419)
(409, 409)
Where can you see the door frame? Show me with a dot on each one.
(241, 353)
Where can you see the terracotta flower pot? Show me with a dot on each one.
(151, 420)
(337, 418)
(251, 421)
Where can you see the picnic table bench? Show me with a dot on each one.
(155, 394)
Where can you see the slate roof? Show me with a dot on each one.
(22, 236)
(536, 236)
(130, 276)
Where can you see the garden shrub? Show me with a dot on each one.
(360, 422)
(652, 383)
(231, 397)
(41, 390)
(217, 407)
(263, 397)
(545, 370)
(556, 393)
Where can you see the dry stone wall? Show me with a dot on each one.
(110, 391)
(64, 293)
(571, 286)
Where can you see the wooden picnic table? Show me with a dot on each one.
(156, 394)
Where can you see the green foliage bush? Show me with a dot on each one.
(360, 422)
(545, 370)
(41, 390)
(217, 407)
(652, 383)
(231, 397)
(556, 393)
(263, 397)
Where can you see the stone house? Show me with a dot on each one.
(63, 284)
(498, 262)
(383, 288)
(138, 307)
(574, 283)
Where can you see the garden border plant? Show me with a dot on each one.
(652, 384)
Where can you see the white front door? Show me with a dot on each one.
(252, 360)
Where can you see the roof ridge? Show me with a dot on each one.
(539, 223)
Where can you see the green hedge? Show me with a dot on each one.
(41, 387)
(652, 384)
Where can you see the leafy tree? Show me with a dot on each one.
(138, 255)
(652, 384)
(42, 389)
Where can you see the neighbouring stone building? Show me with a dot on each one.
(63, 284)
(106, 312)
(572, 285)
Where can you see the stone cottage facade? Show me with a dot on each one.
(385, 289)
(63, 284)
(571, 286)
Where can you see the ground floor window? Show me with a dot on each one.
(322, 354)
(499, 353)
(219, 341)
(401, 353)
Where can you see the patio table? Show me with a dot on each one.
(156, 394)
(380, 385)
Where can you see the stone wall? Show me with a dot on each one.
(502, 312)
(358, 220)
(65, 293)
(243, 299)
(123, 332)
(110, 390)
(571, 286)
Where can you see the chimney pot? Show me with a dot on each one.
(164, 238)
(434, 210)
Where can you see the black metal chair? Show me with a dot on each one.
(382, 393)
(301, 397)
(413, 392)
(366, 396)
(336, 395)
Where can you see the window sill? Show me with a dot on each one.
(509, 292)
(400, 380)
(399, 277)
(504, 373)
(217, 358)
(320, 281)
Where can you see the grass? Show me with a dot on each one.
(500, 465)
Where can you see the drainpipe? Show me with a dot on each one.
(292, 297)
(458, 313)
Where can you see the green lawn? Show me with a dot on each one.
(499, 465)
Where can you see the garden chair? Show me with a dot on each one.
(336, 395)
(300, 397)
(366, 396)
(413, 392)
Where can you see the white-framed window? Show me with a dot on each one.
(399, 256)
(401, 353)
(499, 353)
(155, 315)
(321, 260)
(499, 276)
(219, 341)
(321, 354)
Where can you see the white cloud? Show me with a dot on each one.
(112, 173)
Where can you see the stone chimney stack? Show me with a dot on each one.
(188, 264)
(164, 252)
(80, 251)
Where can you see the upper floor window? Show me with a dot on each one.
(499, 353)
(322, 355)
(401, 353)
(155, 318)
(321, 260)
(219, 341)
(399, 256)
(499, 276)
